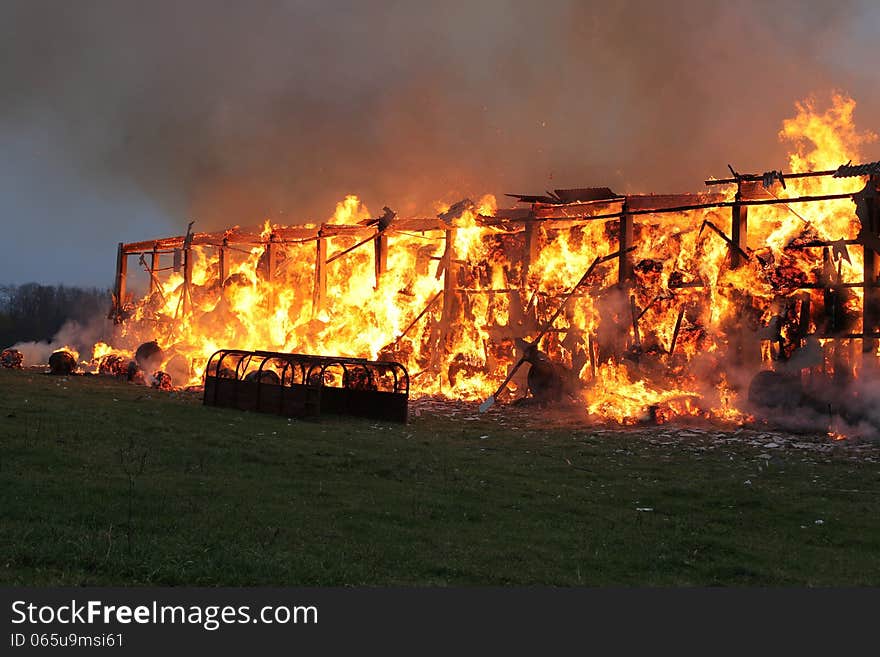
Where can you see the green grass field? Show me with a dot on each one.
(107, 483)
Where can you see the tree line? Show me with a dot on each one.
(33, 312)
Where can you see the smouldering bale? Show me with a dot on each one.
(162, 381)
(113, 365)
(62, 363)
(179, 368)
(548, 381)
(266, 376)
(11, 359)
(358, 378)
(149, 356)
(136, 374)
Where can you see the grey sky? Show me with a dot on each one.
(121, 121)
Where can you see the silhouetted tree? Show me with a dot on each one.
(34, 312)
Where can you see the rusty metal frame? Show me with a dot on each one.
(301, 385)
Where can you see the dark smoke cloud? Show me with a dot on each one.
(122, 120)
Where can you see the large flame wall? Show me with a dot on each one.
(465, 287)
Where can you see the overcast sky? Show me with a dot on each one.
(121, 121)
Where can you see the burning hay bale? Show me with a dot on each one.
(162, 381)
(62, 363)
(113, 365)
(11, 359)
(358, 378)
(226, 373)
(548, 381)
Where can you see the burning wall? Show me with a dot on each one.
(769, 272)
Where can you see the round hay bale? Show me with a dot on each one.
(226, 373)
(358, 378)
(162, 381)
(62, 363)
(149, 356)
(178, 367)
(266, 376)
(11, 359)
(136, 374)
(112, 365)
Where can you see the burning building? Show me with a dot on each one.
(763, 286)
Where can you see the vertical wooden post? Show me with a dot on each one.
(450, 278)
(223, 262)
(869, 314)
(868, 212)
(744, 342)
(380, 245)
(624, 262)
(187, 277)
(319, 296)
(440, 330)
(270, 264)
(739, 225)
(154, 265)
(531, 249)
(519, 300)
(119, 287)
(270, 259)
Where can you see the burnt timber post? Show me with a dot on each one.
(868, 211)
(742, 341)
(119, 287)
(440, 331)
(531, 250)
(739, 225)
(519, 311)
(154, 265)
(450, 277)
(270, 264)
(223, 262)
(270, 259)
(380, 245)
(319, 295)
(624, 262)
(187, 269)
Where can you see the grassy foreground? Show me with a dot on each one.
(108, 483)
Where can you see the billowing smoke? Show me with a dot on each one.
(121, 120)
(81, 337)
(153, 113)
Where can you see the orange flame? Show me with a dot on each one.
(452, 298)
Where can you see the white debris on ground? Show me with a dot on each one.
(698, 435)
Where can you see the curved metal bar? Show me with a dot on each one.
(376, 389)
